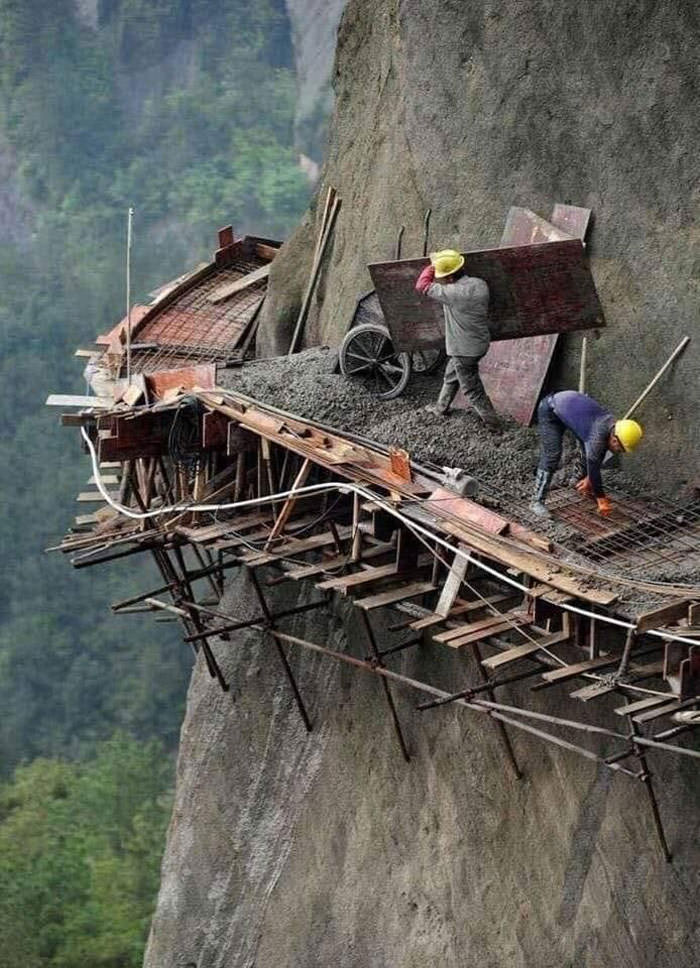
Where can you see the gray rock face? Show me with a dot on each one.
(492, 103)
(296, 850)
(290, 849)
(314, 26)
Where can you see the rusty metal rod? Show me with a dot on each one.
(505, 738)
(385, 684)
(473, 690)
(269, 628)
(646, 780)
(397, 648)
(248, 622)
(478, 705)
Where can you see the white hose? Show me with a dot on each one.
(348, 487)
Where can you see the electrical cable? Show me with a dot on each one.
(347, 487)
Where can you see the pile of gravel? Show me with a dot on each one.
(307, 384)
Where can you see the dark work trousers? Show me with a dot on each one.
(462, 372)
(551, 430)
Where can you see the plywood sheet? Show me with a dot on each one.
(535, 289)
(514, 371)
(571, 219)
(523, 227)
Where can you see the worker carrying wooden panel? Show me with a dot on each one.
(465, 302)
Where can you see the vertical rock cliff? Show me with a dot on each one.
(290, 849)
(495, 103)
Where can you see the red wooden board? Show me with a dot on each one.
(514, 371)
(461, 507)
(199, 375)
(535, 289)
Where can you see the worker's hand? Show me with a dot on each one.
(604, 505)
(426, 278)
(584, 486)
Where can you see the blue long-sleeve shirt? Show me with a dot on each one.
(591, 423)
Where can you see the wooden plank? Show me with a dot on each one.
(321, 567)
(73, 400)
(238, 285)
(94, 497)
(506, 625)
(535, 290)
(211, 531)
(76, 419)
(87, 519)
(358, 578)
(394, 595)
(289, 504)
(522, 651)
(694, 614)
(478, 626)
(298, 546)
(656, 712)
(202, 375)
(662, 616)
(453, 583)
(588, 665)
(105, 479)
(460, 609)
(641, 704)
(597, 689)
(215, 430)
(264, 251)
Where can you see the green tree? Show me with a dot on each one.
(80, 850)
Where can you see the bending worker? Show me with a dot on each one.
(596, 430)
(465, 301)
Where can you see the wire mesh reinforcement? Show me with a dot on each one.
(191, 328)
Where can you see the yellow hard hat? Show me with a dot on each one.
(628, 432)
(446, 262)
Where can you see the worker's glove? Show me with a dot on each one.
(604, 505)
(585, 487)
(426, 279)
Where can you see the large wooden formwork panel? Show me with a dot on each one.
(514, 371)
(535, 289)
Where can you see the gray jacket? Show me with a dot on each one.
(465, 304)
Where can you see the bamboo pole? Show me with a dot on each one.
(642, 396)
(315, 271)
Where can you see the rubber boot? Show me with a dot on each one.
(442, 406)
(491, 421)
(543, 480)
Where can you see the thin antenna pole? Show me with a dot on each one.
(128, 297)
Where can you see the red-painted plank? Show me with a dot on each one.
(461, 507)
(535, 289)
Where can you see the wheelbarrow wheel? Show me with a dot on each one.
(367, 354)
(427, 361)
